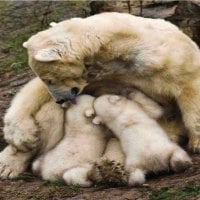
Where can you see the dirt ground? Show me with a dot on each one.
(165, 187)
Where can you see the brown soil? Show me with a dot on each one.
(30, 187)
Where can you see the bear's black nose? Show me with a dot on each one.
(75, 91)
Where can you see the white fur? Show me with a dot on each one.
(82, 144)
(78, 175)
(144, 143)
(25, 45)
(52, 24)
(136, 177)
(148, 105)
(113, 152)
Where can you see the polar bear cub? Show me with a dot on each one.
(144, 143)
(74, 155)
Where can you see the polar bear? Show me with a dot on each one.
(83, 143)
(48, 125)
(27, 129)
(145, 145)
(46, 136)
(152, 54)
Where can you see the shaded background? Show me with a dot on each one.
(21, 19)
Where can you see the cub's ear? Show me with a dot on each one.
(89, 112)
(114, 99)
(52, 24)
(47, 55)
(25, 44)
(97, 120)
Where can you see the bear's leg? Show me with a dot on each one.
(13, 162)
(78, 175)
(147, 104)
(179, 160)
(20, 128)
(189, 103)
(174, 128)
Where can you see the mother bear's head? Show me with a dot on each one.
(57, 55)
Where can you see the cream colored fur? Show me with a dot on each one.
(83, 143)
(20, 129)
(113, 152)
(144, 143)
(152, 54)
(30, 132)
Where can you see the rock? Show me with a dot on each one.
(185, 14)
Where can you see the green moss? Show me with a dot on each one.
(18, 59)
(169, 193)
(57, 182)
(76, 188)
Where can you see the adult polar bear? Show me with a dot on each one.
(151, 54)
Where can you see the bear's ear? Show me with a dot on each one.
(47, 55)
(114, 98)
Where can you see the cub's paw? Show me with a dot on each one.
(89, 112)
(77, 176)
(12, 163)
(23, 135)
(97, 120)
(194, 144)
(136, 177)
(109, 173)
(180, 161)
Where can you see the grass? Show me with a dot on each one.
(18, 59)
(76, 188)
(59, 182)
(170, 193)
(19, 24)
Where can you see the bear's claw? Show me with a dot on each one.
(12, 163)
(108, 172)
(24, 141)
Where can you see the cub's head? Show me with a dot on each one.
(109, 105)
(54, 56)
